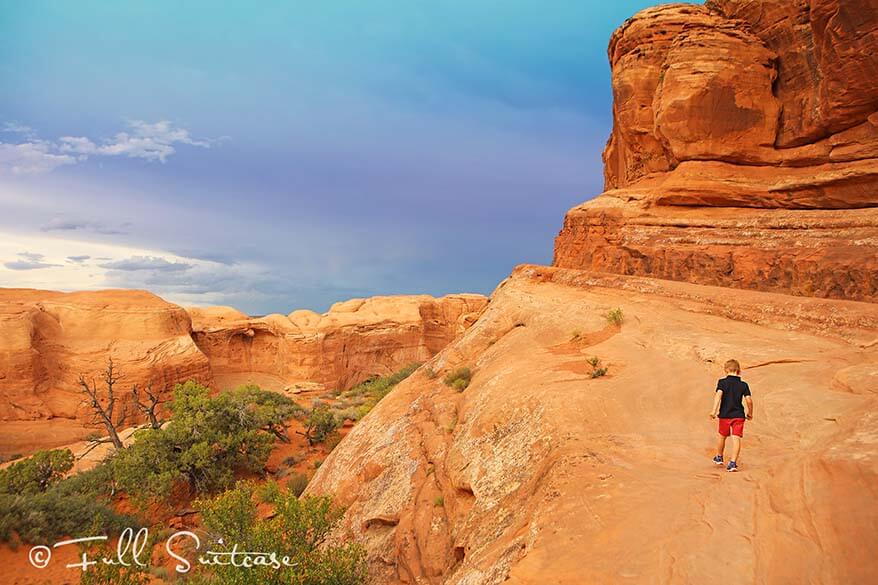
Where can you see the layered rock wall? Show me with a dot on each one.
(744, 150)
(47, 339)
(354, 340)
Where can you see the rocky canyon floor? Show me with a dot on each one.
(539, 473)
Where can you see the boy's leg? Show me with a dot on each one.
(720, 444)
(736, 448)
(737, 428)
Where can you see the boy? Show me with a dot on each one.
(732, 403)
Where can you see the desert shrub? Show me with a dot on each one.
(615, 316)
(48, 516)
(459, 379)
(351, 413)
(70, 506)
(207, 440)
(597, 370)
(370, 392)
(430, 373)
(298, 529)
(36, 473)
(320, 423)
(439, 501)
(297, 483)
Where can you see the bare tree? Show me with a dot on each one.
(149, 405)
(104, 410)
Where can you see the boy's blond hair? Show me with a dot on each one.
(733, 366)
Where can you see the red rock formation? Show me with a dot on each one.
(47, 339)
(538, 472)
(354, 340)
(723, 115)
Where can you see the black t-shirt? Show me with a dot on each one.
(734, 390)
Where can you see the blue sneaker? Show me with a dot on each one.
(732, 466)
(718, 460)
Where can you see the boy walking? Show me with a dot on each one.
(732, 403)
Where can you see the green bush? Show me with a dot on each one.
(36, 473)
(320, 424)
(298, 529)
(615, 317)
(459, 379)
(116, 574)
(207, 440)
(40, 507)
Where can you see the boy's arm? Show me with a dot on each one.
(748, 407)
(717, 398)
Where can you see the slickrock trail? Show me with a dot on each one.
(540, 474)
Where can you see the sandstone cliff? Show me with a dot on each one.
(354, 340)
(47, 339)
(744, 150)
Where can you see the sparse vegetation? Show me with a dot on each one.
(207, 440)
(39, 506)
(615, 317)
(365, 395)
(459, 378)
(439, 501)
(320, 424)
(297, 483)
(36, 473)
(102, 403)
(298, 528)
(597, 370)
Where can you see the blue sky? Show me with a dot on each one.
(282, 155)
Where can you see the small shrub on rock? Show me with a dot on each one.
(459, 379)
(615, 317)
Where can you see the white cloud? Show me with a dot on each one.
(16, 128)
(31, 157)
(144, 140)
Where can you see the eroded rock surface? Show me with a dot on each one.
(47, 339)
(355, 339)
(539, 472)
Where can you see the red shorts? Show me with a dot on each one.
(731, 426)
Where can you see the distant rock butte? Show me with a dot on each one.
(47, 339)
(744, 150)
